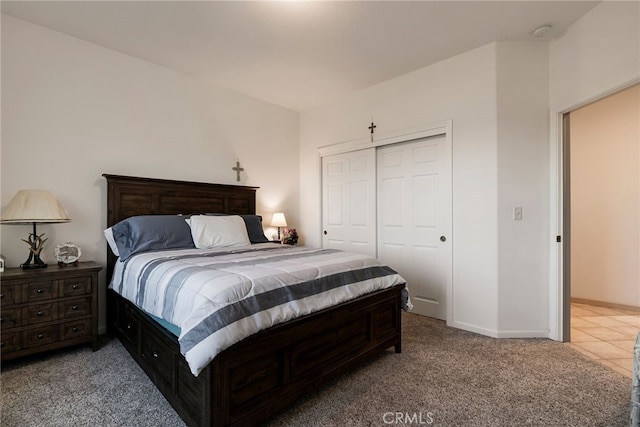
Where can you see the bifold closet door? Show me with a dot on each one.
(349, 201)
(414, 219)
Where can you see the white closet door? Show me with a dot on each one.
(349, 201)
(414, 219)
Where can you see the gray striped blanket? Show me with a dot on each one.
(219, 297)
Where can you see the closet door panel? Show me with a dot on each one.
(414, 205)
(349, 201)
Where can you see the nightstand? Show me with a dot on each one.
(48, 308)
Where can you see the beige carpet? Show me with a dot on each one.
(444, 377)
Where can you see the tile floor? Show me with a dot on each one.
(605, 334)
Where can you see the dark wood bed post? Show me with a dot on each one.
(265, 373)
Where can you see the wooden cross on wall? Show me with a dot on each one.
(238, 169)
(372, 129)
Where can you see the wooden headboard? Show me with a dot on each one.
(129, 196)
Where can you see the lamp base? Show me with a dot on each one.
(33, 262)
(33, 266)
(36, 243)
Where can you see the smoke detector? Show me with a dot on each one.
(541, 31)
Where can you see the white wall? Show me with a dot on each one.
(72, 110)
(523, 180)
(605, 199)
(596, 56)
(463, 89)
(598, 53)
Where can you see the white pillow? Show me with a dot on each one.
(108, 234)
(218, 231)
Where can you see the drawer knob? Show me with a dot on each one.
(74, 307)
(1, 344)
(2, 295)
(40, 313)
(1, 319)
(40, 290)
(74, 329)
(40, 336)
(128, 327)
(155, 354)
(75, 286)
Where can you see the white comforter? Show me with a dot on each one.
(219, 297)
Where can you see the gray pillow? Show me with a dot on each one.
(151, 233)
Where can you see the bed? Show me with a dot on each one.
(250, 381)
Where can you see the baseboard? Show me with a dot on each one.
(473, 328)
(533, 333)
(606, 304)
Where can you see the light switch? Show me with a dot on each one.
(517, 213)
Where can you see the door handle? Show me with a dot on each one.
(325, 232)
(443, 239)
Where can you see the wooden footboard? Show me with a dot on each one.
(263, 374)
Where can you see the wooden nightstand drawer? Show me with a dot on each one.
(9, 294)
(39, 336)
(10, 318)
(40, 313)
(48, 308)
(76, 307)
(77, 329)
(10, 342)
(75, 287)
(38, 291)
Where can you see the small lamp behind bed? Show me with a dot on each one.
(278, 220)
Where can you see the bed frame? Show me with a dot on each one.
(265, 373)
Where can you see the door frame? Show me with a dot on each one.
(387, 138)
(560, 209)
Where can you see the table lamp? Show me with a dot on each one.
(278, 220)
(32, 207)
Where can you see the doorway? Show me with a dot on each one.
(601, 210)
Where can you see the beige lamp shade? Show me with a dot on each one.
(34, 206)
(278, 220)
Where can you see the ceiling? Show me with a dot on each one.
(298, 54)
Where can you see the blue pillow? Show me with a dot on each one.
(151, 233)
(254, 227)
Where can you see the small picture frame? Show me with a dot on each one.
(67, 254)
